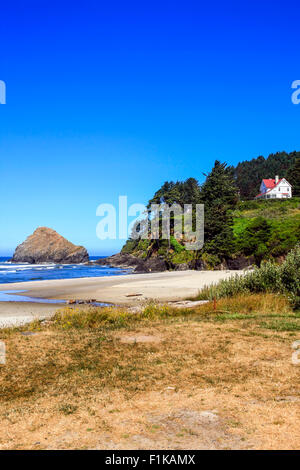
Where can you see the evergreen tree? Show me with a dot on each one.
(220, 196)
(293, 177)
(250, 173)
(186, 192)
(191, 193)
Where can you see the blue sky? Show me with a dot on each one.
(113, 98)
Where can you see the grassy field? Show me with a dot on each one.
(164, 378)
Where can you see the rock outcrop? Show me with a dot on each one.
(138, 265)
(159, 263)
(47, 246)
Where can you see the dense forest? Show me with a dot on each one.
(249, 174)
(236, 227)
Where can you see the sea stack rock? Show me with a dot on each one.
(47, 246)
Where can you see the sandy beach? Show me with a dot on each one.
(124, 290)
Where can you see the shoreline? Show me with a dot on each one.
(124, 290)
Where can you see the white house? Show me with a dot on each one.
(277, 188)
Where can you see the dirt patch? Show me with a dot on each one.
(182, 429)
(139, 338)
(193, 429)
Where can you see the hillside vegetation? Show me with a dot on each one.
(280, 279)
(237, 231)
(249, 173)
(266, 229)
(262, 230)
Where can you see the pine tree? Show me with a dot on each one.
(220, 196)
(186, 192)
(293, 177)
(250, 173)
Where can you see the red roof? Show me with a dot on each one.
(270, 183)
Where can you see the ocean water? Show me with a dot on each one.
(19, 272)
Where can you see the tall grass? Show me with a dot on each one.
(112, 317)
(270, 277)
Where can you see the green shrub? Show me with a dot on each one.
(210, 260)
(290, 276)
(176, 245)
(183, 257)
(284, 236)
(143, 244)
(254, 238)
(270, 277)
(129, 246)
(266, 229)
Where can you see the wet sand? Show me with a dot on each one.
(20, 313)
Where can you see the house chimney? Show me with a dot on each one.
(276, 179)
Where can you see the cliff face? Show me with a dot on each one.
(47, 246)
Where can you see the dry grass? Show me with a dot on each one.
(255, 304)
(207, 379)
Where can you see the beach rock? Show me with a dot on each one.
(240, 262)
(196, 264)
(138, 265)
(119, 260)
(47, 246)
(181, 267)
(152, 265)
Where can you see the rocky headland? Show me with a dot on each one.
(159, 263)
